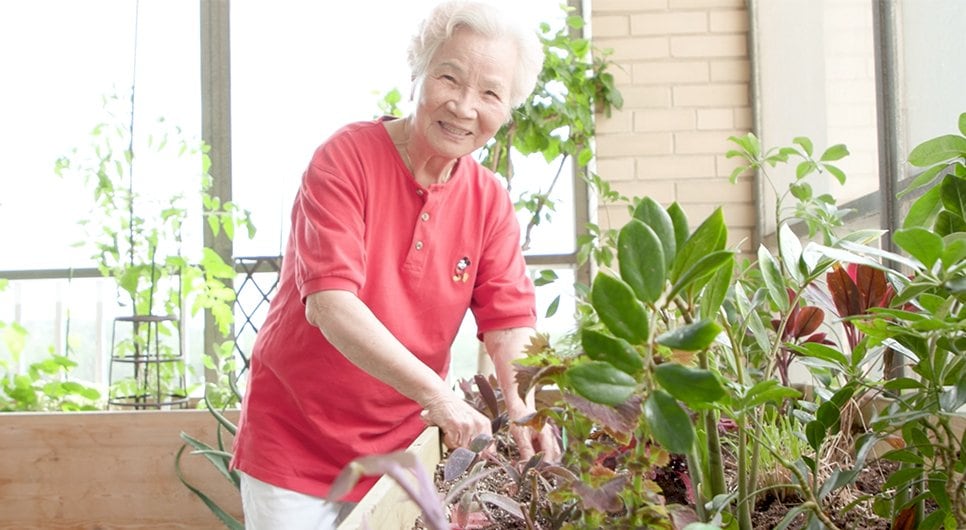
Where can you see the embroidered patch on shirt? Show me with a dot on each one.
(459, 272)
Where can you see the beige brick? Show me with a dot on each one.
(685, 22)
(611, 26)
(709, 119)
(709, 46)
(622, 73)
(735, 215)
(728, 21)
(615, 169)
(699, 4)
(701, 142)
(716, 191)
(678, 166)
(612, 217)
(619, 122)
(715, 95)
(654, 120)
(660, 191)
(640, 97)
(614, 145)
(726, 70)
(627, 5)
(651, 73)
(633, 49)
(744, 118)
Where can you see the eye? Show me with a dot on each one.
(494, 95)
(448, 78)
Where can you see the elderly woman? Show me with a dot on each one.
(396, 232)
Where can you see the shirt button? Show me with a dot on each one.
(425, 216)
(419, 245)
(419, 192)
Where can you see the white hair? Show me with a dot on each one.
(488, 21)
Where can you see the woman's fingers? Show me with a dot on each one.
(460, 422)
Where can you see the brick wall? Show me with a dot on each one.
(683, 69)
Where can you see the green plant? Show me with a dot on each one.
(557, 121)
(675, 341)
(138, 240)
(45, 385)
(927, 325)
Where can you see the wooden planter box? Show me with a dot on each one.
(386, 506)
(107, 470)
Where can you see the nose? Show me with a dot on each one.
(462, 104)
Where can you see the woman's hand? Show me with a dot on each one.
(459, 422)
(529, 441)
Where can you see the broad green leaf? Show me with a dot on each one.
(815, 434)
(618, 352)
(705, 266)
(767, 391)
(939, 149)
(641, 259)
(903, 383)
(836, 172)
(835, 152)
(790, 250)
(924, 209)
(953, 190)
(901, 477)
(669, 423)
(962, 124)
(774, 282)
(823, 352)
(691, 337)
(922, 179)
(717, 290)
(694, 386)
(748, 143)
(681, 227)
(805, 142)
(804, 169)
(828, 414)
(708, 237)
(924, 245)
(949, 223)
(601, 383)
(619, 309)
(649, 212)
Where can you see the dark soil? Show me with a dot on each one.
(769, 510)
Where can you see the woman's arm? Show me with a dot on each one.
(349, 325)
(505, 346)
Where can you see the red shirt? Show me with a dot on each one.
(418, 258)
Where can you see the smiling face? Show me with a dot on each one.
(464, 95)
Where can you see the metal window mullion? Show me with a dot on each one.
(216, 132)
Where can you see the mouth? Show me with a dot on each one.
(451, 129)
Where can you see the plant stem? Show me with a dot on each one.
(715, 461)
(744, 506)
(694, 470)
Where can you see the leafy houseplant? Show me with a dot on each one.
(139, 242)
(45, 385)
(675, 344)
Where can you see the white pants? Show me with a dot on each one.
(269, 507)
